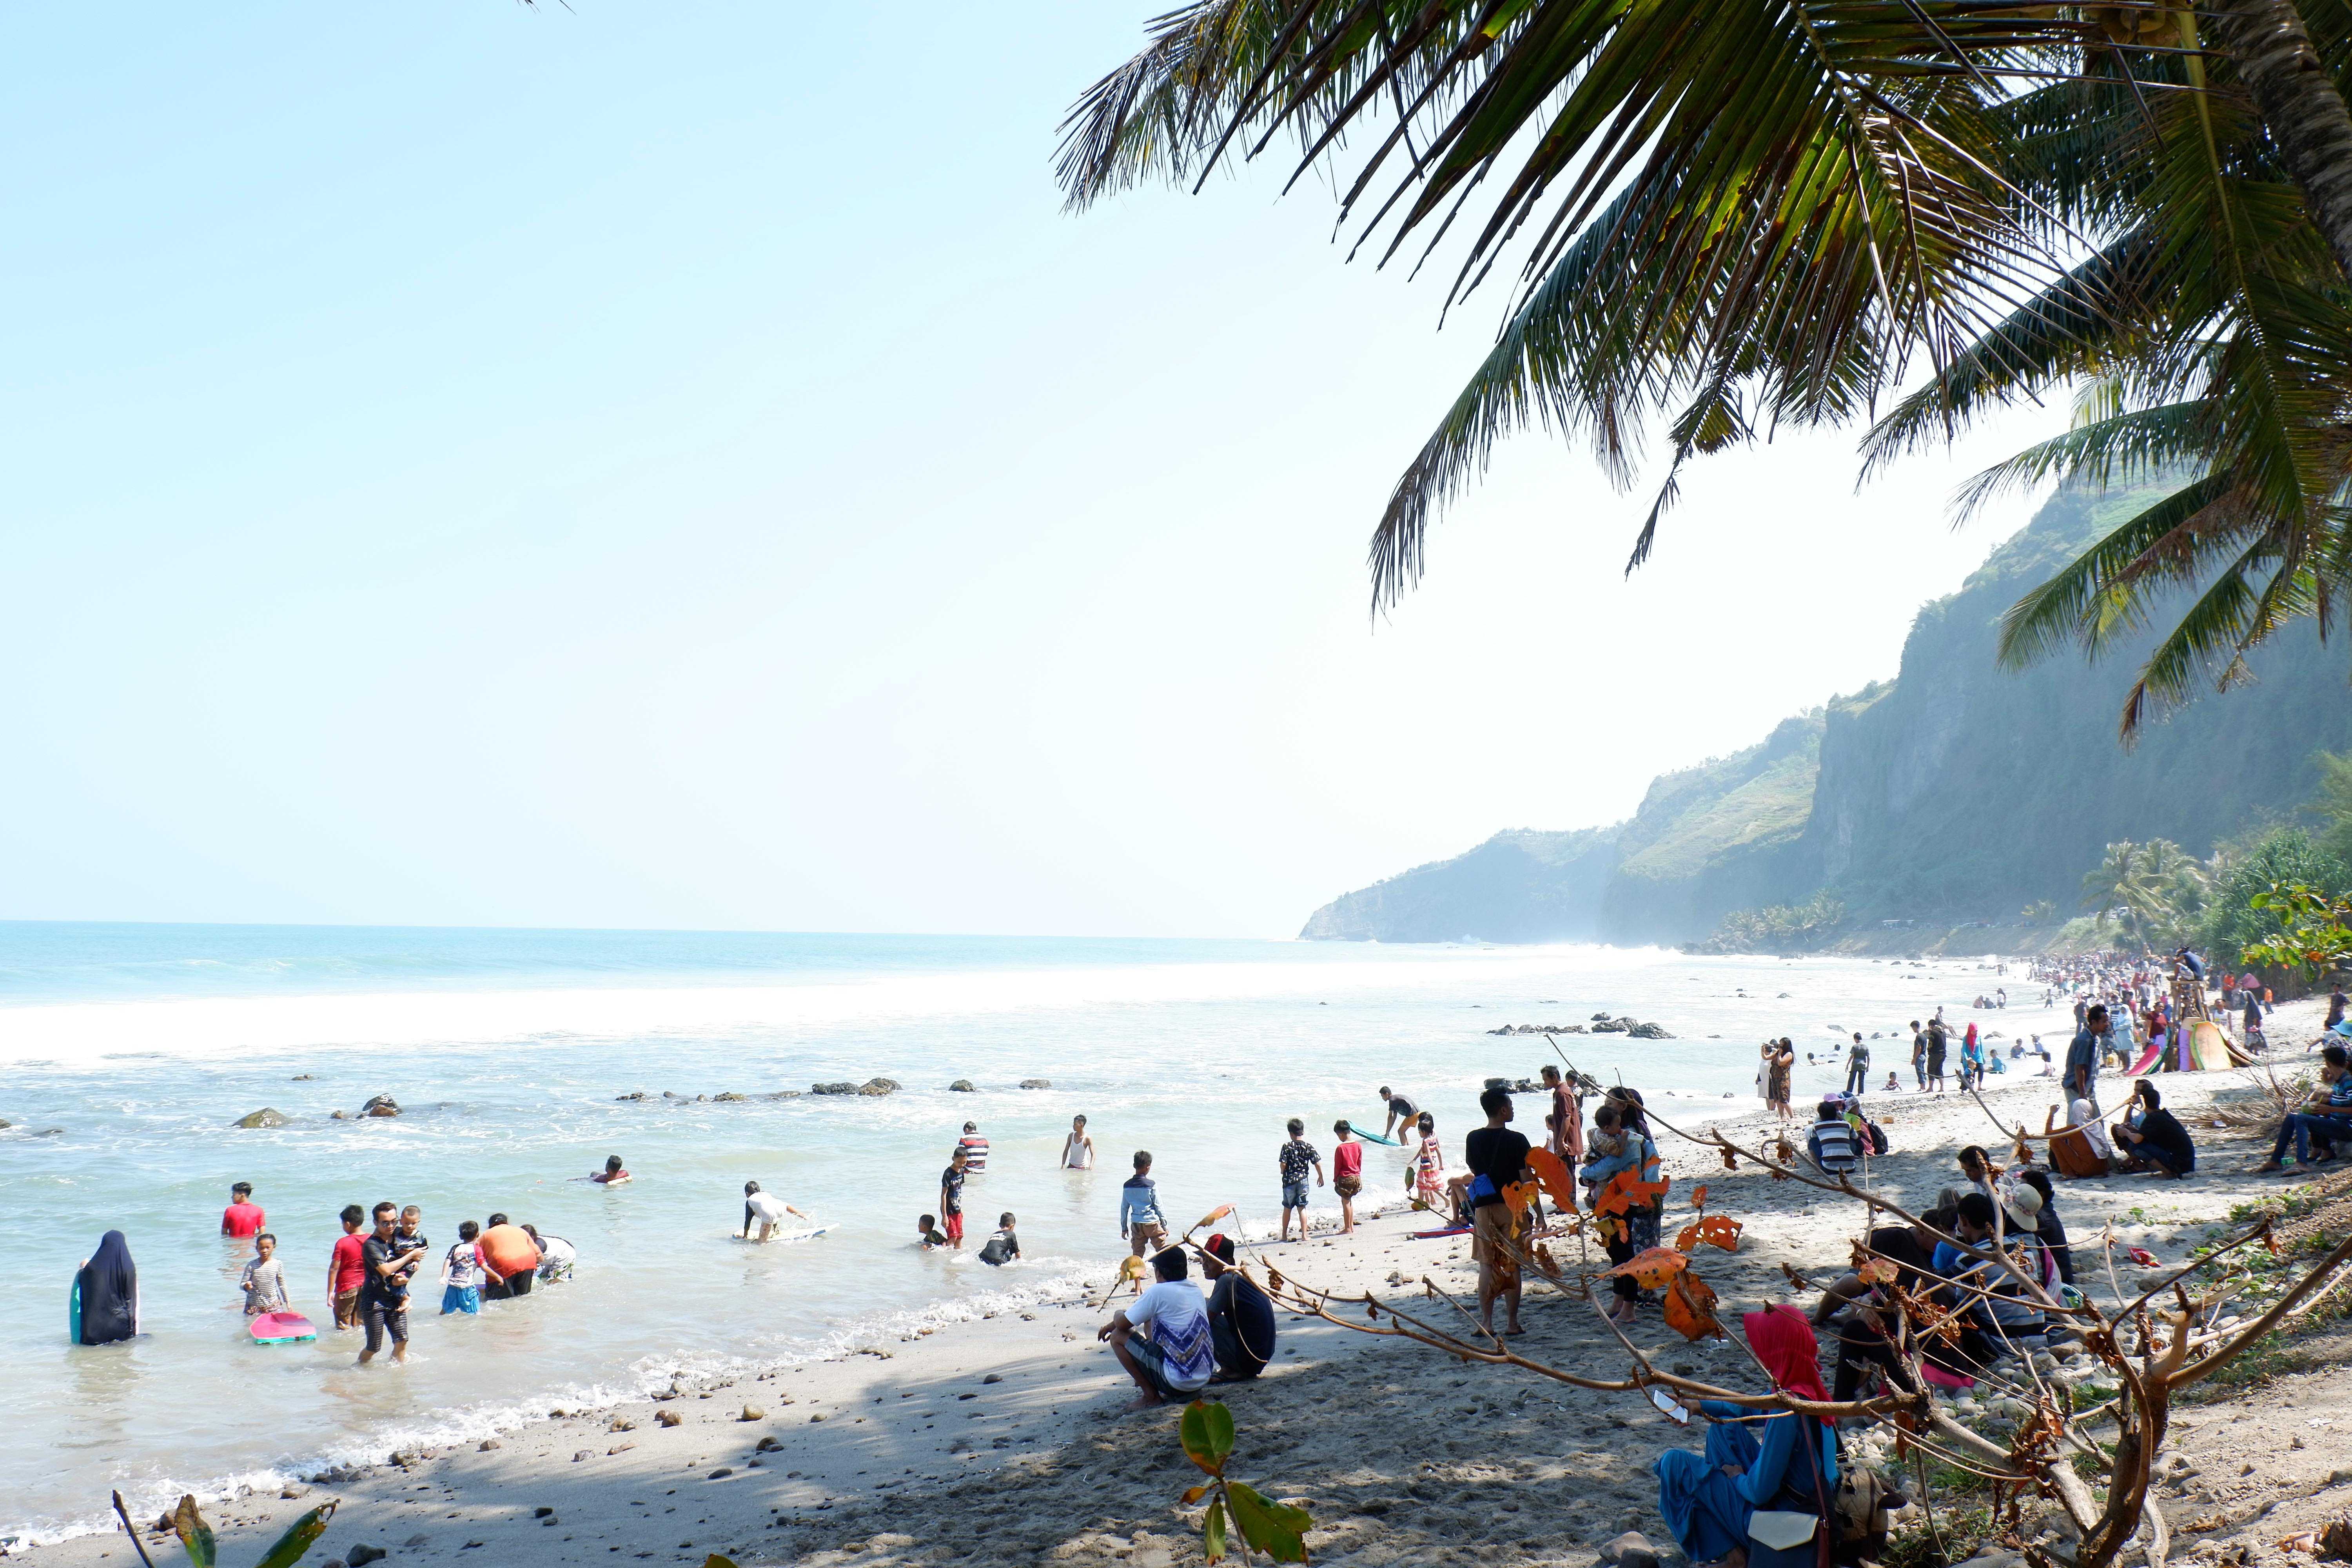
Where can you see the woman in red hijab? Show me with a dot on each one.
(1783, 1463)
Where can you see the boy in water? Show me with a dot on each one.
(975, 1149)
(1003, 1246)
(345, 1269)
(461, 1272)
(265, 1278)
(927, 1233)
(1295, 1157)
(612, 1175)
(1347, 1174)
(1140, 1223)
(243, 1216)
(951, 1194)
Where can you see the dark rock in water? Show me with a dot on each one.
(4, 1122)
(363, 1554)
(636, 1095)
(379, 1105)
(339, 1116)
(782, 1094)
(668, 1095)
(1597, 1018)
(1611, 1027)
(878, 1086)
(303, 1078)
(832, 1089)
(962, 1086)
(265, 1116)
(1036, 1083)
(1648, 1032)
(1498, 1083)
(730, 1097)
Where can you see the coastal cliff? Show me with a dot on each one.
(1956, 791)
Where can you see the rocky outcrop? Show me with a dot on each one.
(381, 1105)
(1538, 1029)
(1036, 1083)
(1648, 1032)
(879, 1086)
(962, 1086)
(265, 1116)
(1935, 796)
(838, 1087)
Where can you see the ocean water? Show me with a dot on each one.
(126, 1052)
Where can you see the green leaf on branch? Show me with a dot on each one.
(194, 1533)
(1207, 1430)
(1212, 1532)
(1276, 1529)
(298, 1538)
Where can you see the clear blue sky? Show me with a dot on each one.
(678, 465)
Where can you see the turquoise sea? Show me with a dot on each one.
(127, 1051)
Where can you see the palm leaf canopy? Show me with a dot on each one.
(1723, 215)
(2219, 363)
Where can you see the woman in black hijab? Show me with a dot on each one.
(106, 1293)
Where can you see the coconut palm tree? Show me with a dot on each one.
(1726, 216)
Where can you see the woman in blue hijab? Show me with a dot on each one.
(106, 1294)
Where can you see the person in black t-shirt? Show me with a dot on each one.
(2151, 1137)
(1241, 1316)
(384, 1292)
(1497, 1158)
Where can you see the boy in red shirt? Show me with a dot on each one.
(242, 1217)
(1347, 1174)
(347, 1268)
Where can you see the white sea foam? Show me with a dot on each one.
(75, 1034)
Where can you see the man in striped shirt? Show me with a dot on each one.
(975, 1149)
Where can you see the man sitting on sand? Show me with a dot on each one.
(2324, 1116)
(1175, 1356)
(2152, 1137)
(770, 1210)
(1241, 1316)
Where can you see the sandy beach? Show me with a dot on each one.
(1010, 1439)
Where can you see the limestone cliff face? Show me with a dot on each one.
(1957, 790)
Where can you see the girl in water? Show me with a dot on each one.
(1079, 1150)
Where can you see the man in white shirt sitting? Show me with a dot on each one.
(1175, 1355)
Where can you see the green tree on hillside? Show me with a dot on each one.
(2333, 804)
(2282, 857)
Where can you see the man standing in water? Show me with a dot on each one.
(1401, 1111)
(384, 1294)
(1497, 1158)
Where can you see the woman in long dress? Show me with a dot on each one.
(1786, 1462)
(106, 1293)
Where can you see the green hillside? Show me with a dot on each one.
(1958, 791)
